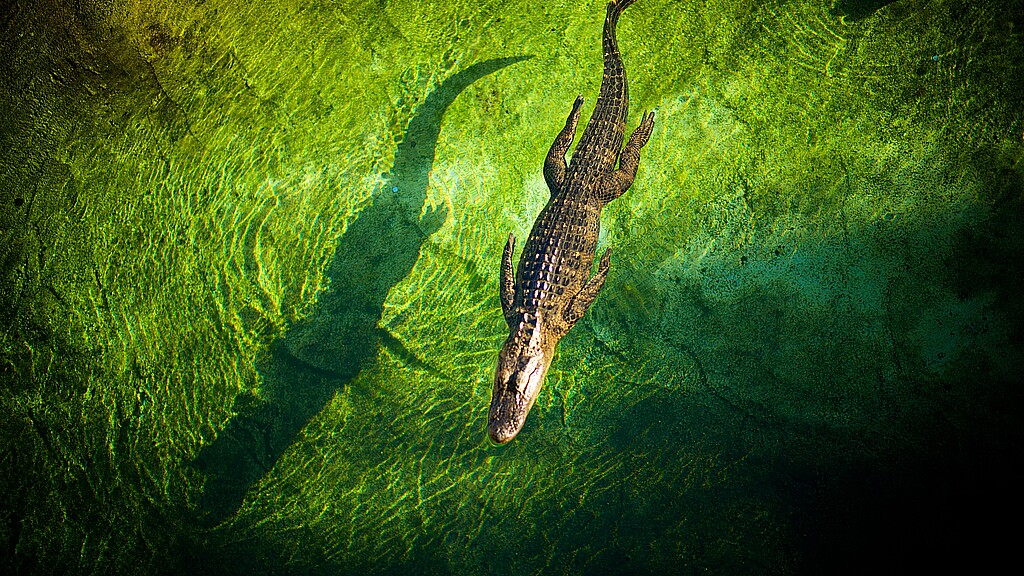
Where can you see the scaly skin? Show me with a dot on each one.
(553, 286)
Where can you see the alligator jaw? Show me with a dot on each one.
(517, 384)
(522, 364)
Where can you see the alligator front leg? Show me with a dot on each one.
(508, 281)
(617, 182)
(554, 164)
(586, 296)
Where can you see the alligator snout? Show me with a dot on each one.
(517, 382)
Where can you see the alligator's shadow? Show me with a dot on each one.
(320, 355)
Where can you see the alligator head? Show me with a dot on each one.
(522, 364)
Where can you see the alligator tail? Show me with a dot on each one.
(615, 9)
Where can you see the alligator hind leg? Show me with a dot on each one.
(586, 296)
(554, 164)
(619, 181)
(508, 280)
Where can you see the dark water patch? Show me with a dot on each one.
(936, 508)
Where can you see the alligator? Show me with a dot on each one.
(553, 286)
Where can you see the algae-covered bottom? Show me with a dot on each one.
(249, 269)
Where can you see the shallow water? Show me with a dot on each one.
(250, 257)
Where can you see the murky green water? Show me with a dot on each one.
(249, 309)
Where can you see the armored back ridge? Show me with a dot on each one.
(553, 286)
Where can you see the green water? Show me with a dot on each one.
(249, 258)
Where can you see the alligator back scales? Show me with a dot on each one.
(553, 285)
